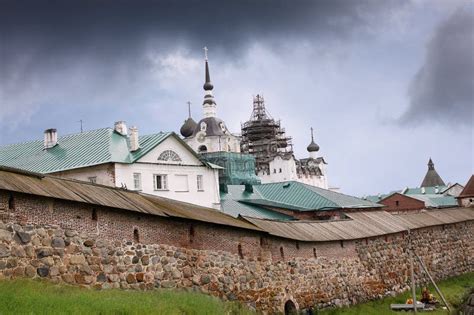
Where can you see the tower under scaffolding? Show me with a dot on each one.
(263, 137)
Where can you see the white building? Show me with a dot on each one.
(159, 164)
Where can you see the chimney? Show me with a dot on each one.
(223, 188)
(248, 188)
(121, 127)
(134, 145)
(50, 138)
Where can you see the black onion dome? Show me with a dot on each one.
(313, 147)
(213, 126)
(188, 127)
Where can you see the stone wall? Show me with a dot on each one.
(253, 267)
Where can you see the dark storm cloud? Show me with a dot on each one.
(68, 53)
(69, 24)
(443, 88)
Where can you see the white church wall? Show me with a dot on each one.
(181, 181)
(181, 176)
(281, 170)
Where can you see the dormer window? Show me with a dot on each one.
(169, 155)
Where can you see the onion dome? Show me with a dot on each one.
(187, 129)
(312, 147)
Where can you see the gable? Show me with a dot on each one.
(171, 151)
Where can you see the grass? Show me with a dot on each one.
(39, 297)
(25, 296)
(454, 289)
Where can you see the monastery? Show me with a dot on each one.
(236, 217)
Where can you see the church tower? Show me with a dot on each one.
(210, 134)
(432, 177)
(211, 139)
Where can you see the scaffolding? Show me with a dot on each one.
(263, 136)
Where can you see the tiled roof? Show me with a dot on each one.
(77, 150)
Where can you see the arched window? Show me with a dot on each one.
(290, 308)
(169, 155)
(202, 148)
(136, 236)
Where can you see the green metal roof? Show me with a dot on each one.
(302, 197)
(232, 204)
(425, 190)
(78, 150)
(286, 195)
(436, 201)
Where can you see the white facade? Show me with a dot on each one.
(171, 160)
(181, 176)
(282, 170)
(228, 143)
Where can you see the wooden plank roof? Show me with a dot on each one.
(79, 191)
(361, 224)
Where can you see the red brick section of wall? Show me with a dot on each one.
(98, 247)
(402, 203)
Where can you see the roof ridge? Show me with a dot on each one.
(59, 137)
(306, 186)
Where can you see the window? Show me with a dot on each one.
(161, 182)
(11, 202)
(397, 203)
(181, 183)
(282, 254)
(94, 214)
(202, 148)
(169, 155)
(93, 179)
(280, 170)
(274, 170)
(136, 236)
(314, 253)
(241, 254)
(200, 184)
(137, 181)
(191, 233)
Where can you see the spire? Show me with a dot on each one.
(432, 177)
(312, 147)
(430, 165)
(207, 85)
(209, 104)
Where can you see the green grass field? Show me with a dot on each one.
(454, 289)
(40, 297)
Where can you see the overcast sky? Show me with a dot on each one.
(385, 84)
